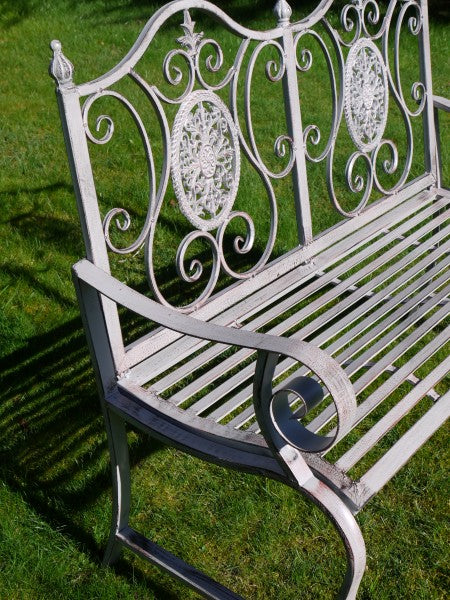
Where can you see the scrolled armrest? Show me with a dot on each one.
(269, 349)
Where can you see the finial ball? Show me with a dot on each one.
(282, 11)
(55, 45)
(61, 69)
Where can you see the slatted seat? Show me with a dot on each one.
(324, 366)
(358, 319)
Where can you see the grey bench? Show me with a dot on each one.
(293, 363)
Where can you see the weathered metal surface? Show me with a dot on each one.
(385, 424)
(361, 78)
(235, 308)
(332, 312)
(365, 294)
(355, 331)
(409, 443)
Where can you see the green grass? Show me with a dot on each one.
(254, 535)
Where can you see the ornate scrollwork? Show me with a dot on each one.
(283, 144)
(205, 160)
(414, 26)
(113, 215)
(366, 95)
(196, 267)
(193, 43)
(359, 16)
(190, 40)
(202, 152)
(241, 245)
(369, 82)
(312, 133)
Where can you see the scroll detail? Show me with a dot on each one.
(366, 94)
(205, 160)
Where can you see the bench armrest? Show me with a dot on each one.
(441, 103)
(269, 348)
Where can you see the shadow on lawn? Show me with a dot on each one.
(53, 448)
(243, 11)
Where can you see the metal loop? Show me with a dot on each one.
(310, 393)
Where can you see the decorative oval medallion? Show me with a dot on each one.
(366, 94)
(205, 160)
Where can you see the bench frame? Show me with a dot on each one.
(284, 449)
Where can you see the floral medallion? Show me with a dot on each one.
(205, 160)
(366, 94)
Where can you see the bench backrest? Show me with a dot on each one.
(334, 109)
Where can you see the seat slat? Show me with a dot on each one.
(380, 366)
(390, 419)
(392, 461)
(246, 394)
(221, 390)
(294, 298)
(167, 354)
(361, 326)
(394, 381)
(399, 349)
(238, 357)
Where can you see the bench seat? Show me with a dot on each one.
(381, 311)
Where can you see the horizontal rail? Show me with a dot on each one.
(441, 103)
(201, 583)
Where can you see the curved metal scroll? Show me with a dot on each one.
(287, 444)
(201, 152)
(360, 95)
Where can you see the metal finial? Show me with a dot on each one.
(283, 12)
(189, 40)
(61, 69)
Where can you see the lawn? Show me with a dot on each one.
(257, 536)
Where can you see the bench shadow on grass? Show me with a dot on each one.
(53, 448)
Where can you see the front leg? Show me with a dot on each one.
(120, 469)
(301, 476)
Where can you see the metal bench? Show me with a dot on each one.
(297, 365)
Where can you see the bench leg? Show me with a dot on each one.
(348, 529)
(301, 477)
(118, 449)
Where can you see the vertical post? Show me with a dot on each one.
(283, 13)
(95, 326)
(61, 69)
(438, 147)
(429, 132)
